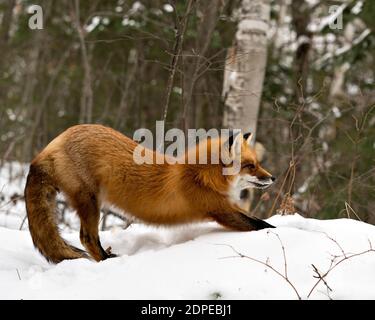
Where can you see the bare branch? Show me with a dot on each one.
(321, 277)
(179, 38)
(266, 264)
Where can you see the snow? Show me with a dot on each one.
(357, 9)
(344, 49)
(94, 23)
(198, 261)
(12, 183)
(168, 8)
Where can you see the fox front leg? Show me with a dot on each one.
(240, 222)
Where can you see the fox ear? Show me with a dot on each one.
(260, 151)
(248, 137)
(231, 146)
(235, 143)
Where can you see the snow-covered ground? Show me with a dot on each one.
(12, 184)
(202, 261)
(199, 262)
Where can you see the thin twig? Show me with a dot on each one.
(19, 276)
(240, 255)
(180, 32)
(283, 248)
(334, 265)
(23, 222)
(319, 276)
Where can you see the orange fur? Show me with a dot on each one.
(93, 165)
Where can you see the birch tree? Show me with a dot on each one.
(245, 70)
(245, 66)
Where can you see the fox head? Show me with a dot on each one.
(228, 161)
(250, 173)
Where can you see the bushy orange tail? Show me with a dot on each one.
(40, 197)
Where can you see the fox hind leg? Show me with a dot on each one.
(88, 211)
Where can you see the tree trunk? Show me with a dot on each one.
(87, 93)
(6, 22)
(301, 11)
(245, 67)
(34, 110)
(301, 20)
(244, 72)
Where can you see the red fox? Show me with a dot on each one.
(93, 165)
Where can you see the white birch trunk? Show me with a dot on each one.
(245, 66)
(244, 73)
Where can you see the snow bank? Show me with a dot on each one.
(199, 262)
(12, 184)
(192, 262)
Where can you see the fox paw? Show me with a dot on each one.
(109, 253)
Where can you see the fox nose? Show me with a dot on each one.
(273, 178)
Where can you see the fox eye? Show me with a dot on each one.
(250, 166)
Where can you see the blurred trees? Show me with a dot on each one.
(109, 62)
